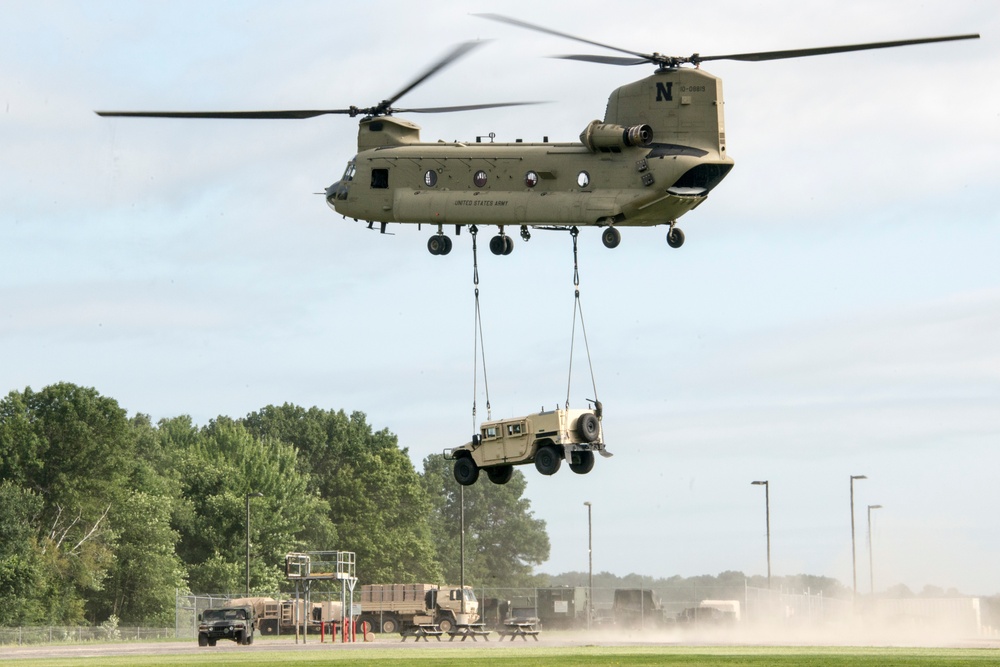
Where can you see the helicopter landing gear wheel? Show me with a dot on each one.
(675, 237)
(611, 237)
(501, 244)
(439, 244)
(525, 234)
(497, 245)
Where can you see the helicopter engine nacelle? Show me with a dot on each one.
(598, 135)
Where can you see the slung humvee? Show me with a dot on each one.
(545, 438)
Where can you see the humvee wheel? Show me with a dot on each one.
(587, 427)
(611, 237)
(584, 462)
(500, 474)
(466, 471)
(250, 638)
(675, 238)
(547, 460)
(446, 624)
(202, 639)
(389, 625)
(211, 642)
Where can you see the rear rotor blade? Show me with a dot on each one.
(606, 60)
(465, 107)
(548, 31)
(825, 50)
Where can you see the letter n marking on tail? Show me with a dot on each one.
(663, 91)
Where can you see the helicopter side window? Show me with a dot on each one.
(349, 172)
(380, 179)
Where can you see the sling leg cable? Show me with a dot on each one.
(477, 339)
(577, 306)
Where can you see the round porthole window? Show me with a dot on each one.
(430, 178)
(583, 179)
(479, 179)
(531, 179)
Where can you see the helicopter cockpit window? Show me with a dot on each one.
(430, 178)
(349, 172)
(583, 179)
(531, 179)
(380, 178)
(479, 178)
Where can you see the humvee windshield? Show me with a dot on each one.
(225, 615)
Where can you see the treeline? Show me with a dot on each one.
(728, 585)
(104, 514)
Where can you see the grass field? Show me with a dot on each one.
(554, 657)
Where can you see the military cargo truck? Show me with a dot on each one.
(395, 607)
(281, 616)
(637, 608)
(544, 438)
(235, 623)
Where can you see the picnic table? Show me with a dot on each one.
(421, 630)
(473, 630)
(519, 627)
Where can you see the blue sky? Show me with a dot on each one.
(834, 311)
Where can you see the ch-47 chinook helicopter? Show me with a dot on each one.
(657, 154)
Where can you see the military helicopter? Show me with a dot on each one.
(657, 154)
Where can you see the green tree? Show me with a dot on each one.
(74, 449)
(503, 539)
(376, 500)
(219, 465)
(21, 575)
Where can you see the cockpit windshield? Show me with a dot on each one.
(349, 172)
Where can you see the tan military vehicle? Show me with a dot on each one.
(545, 438)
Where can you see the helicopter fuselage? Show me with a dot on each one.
(657, 154)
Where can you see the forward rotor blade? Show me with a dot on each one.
(548, 31)
(448, 59)
(465, 107)
(821, 51)
(294, 114)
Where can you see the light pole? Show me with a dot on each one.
(249, 496)
(767, 515)
(871, 569)
(854, 552)
(590, 565)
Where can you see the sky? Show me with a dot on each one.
(835, 310)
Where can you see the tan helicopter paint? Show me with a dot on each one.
(627, 184)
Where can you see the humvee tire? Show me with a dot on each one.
(202, 639)
(584, 464)
(466, 471)
(547, 460)
(587, 427)
(500, 474)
